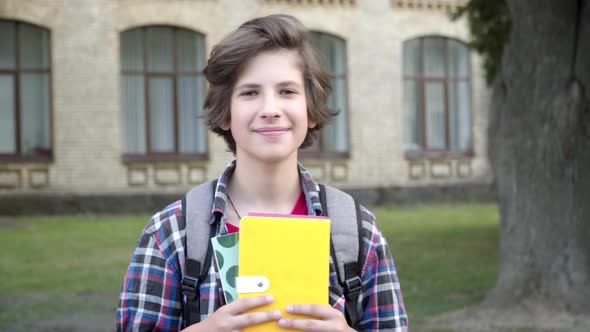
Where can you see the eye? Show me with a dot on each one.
(248, 93)
(288, 92)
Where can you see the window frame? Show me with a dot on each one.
(422, 79)
(16, 73)
(321, 153)
(146, 74)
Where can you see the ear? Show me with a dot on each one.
(226, 126)
(311, 124)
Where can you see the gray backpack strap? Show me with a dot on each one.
(196, 208)
(344, 212)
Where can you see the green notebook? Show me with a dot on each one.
(226, 259)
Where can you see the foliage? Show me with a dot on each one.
(489, 23)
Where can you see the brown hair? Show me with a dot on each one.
(230, 56)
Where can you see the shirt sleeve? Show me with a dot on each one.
(381, 297)
(151, 297)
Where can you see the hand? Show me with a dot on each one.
(231, 317)
(326, 319)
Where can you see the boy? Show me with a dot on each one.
(267, 99)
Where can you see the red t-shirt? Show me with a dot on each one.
(300, 208)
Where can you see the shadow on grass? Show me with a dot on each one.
(58, 312)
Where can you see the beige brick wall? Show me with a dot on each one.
(86, 96)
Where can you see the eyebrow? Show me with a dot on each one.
(255, 85)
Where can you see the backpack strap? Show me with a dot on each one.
(345, 244)
(196, 208)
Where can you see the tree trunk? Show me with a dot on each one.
(539, 140)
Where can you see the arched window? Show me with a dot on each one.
(25, 99)
(162, 93)
(437, 96)
(333, 141)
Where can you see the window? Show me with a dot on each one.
(162, 93)
(437, 97)
(333, 141)
(25, 103)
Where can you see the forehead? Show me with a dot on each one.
(273, 65)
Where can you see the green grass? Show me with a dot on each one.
(66, 255)
(446, 256)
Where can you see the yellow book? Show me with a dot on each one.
(286, 256)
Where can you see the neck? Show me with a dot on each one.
(265, 187)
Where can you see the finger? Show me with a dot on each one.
(255, 318)
(313, 310)
(242, 305)
(312, 325)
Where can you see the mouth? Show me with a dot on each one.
(271, 131)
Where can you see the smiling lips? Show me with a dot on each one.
(271, 131)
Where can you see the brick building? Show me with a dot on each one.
(101, 97)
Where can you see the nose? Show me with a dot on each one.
(270, 110)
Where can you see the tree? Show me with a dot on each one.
(539, 149)
(489, 23)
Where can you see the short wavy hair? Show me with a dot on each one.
(228, 58)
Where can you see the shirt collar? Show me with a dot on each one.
(309, 186)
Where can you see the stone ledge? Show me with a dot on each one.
(150, 203)
(56, 204)
(459, 193)
(440, 5)
(350, 3)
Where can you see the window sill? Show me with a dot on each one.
(323, 155)
(134, 158)
(41, 159)
(437, 154)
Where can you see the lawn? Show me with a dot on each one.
(446, 258)
(67, 254)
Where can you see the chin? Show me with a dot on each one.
(273, 156)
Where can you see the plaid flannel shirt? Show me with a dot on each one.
(151, 298)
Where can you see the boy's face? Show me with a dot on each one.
(269, 107)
